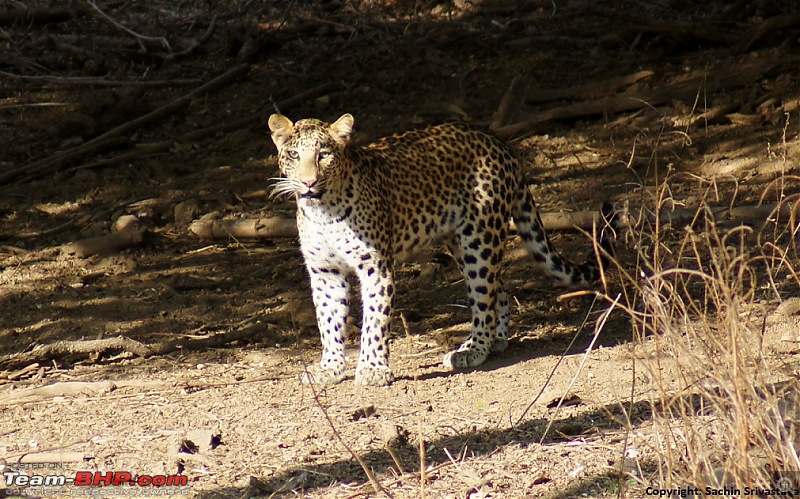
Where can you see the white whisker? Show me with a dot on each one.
(283, 187)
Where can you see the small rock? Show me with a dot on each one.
(790, 306)
(362, 413)
(570, 399)
(185, 212)
(392, 434)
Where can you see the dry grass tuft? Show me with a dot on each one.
(726, 408)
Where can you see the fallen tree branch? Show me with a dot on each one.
(311, 93)
(752, 213)
(102, 82)
(144, 150)
(41, 167)
(212, 26)
(63, 389)
(83, 349)
(679, 30)
(639, 25)
(764, 28)
(734, 76)
(285, 227)
(42, 15)
(592, 90)
(46, 232)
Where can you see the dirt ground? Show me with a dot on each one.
(620, 96)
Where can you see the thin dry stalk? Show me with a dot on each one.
(423, 474)
(560, 359)
(376, 485)
(578, 371)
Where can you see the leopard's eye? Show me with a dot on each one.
(292, 154)
(324, 154)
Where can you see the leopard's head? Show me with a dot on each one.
(310, 153)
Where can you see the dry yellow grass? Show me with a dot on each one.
(701, 301)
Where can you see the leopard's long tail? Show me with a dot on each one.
(530, 229)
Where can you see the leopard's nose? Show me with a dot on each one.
(310, 183)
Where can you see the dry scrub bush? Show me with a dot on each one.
(725, 406)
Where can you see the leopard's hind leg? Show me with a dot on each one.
(479, 253)
(500, 343)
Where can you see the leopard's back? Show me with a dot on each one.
(440, 178)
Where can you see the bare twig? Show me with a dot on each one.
(138, 36)
(555, 367)
(102, 82)
(49, 457)
(23, 372)
(36, 104)
(578, 371)
(511, 103)
(203, 39)
(404, 478)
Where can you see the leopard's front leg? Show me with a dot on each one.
(377, 296)
(331, 294)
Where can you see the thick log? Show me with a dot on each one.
(283, 227)
(265, 228)
(127, 232)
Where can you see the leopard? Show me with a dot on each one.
(361, 209)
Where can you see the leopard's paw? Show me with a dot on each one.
(464, 358)
(322, 376)
(374, 375)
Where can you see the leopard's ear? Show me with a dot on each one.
(343, 128)
(281, 128)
